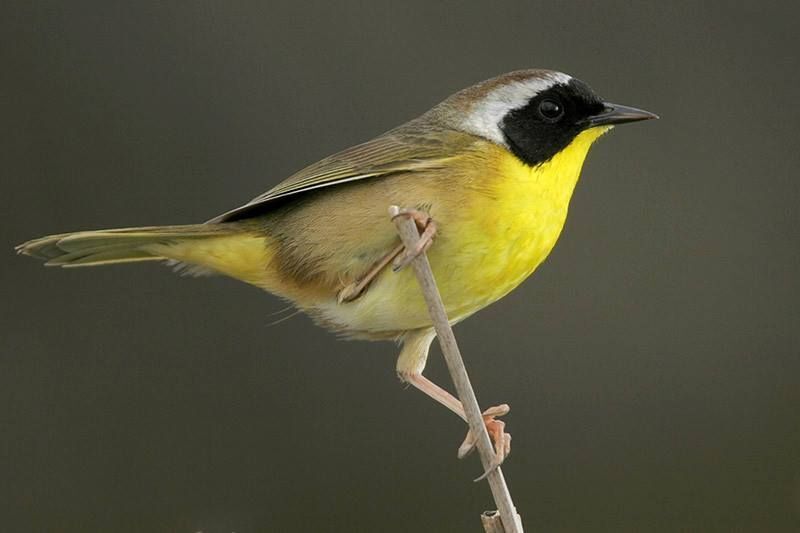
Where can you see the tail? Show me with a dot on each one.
(235, 249)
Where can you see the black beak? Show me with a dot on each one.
(618, 114)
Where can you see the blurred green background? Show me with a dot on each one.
(652, 363)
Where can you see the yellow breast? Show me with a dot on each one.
(511, 230)
(493, 237)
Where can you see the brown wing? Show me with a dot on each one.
(399, 150)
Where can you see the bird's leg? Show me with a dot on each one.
(427, 228)
(496, 428)
(350, 292)
(409, 367)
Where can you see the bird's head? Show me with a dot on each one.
(533, 113)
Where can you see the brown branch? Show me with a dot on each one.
(511, 522)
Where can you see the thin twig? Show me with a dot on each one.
(455, 364)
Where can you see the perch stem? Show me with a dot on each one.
(409, 234)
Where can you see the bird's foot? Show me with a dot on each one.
(427, 230)
(496, 429)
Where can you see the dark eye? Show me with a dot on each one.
(550, 110)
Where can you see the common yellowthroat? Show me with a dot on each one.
(487, 174)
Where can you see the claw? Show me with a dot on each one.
(427, 228)
(496, 429)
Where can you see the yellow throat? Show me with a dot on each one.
(520, 223)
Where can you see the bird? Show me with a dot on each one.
(487, 176)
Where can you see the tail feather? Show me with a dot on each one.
(236, 249)
(88, 248)
(105, 255)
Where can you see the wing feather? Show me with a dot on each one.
(399, 150)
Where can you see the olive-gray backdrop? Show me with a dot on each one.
(652, 362)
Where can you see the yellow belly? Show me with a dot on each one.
(499, 241)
